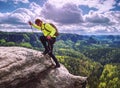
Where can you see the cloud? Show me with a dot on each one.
(109, 18)
(16, 20)
(35, 9)
(68, 14)
(19, 18)
(103, 23)
(97, 18)
(16, 1)
(101, 5)
(3, 0)
(114, 16)
(105, 5)
(16, 17)
(119, 4)
(23, 1)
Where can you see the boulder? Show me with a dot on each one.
(27, 68)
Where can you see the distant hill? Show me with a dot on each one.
(111, 40)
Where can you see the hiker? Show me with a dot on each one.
(48, 38)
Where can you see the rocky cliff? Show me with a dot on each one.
(27, 68)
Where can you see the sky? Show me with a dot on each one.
(84, 17)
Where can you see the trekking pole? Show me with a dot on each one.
(32, 29)
(32, 33)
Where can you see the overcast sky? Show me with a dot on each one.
(70, 16)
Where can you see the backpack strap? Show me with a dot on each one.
(56, 33)
(45, 27)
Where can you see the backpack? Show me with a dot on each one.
(56, 33)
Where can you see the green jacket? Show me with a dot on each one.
(46, 28)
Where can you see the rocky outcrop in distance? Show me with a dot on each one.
(27, 68)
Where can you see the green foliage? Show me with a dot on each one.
(61, 44)
(25, 44)
(110, 77)
(10, 44)
(2, 41)
(27, 39)
(104, 55)
(77, 61)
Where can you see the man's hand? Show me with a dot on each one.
(48, 37)
(30, 23)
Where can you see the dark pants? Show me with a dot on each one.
(48, 45)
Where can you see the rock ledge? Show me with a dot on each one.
(26, 68)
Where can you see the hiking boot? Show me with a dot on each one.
(57, 66)
(45, 52)
(49, 52)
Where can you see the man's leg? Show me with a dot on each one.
(44, 42)
(55, 60)
(50, 45)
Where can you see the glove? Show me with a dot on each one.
(48, 37)
(30, 23)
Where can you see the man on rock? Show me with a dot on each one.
(47, 39)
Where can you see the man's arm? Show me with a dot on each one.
(34, 25)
